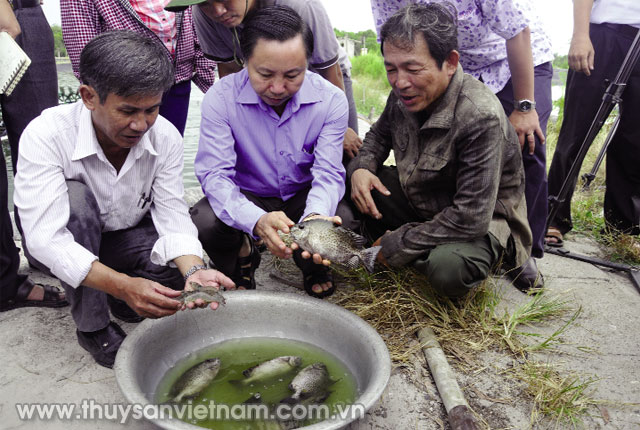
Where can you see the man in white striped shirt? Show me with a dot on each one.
(99, 194)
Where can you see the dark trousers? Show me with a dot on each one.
(582, 99)
(353, 113)
(36, 91)
(452, 269)
(222, 243)
(126, 251)
(535, 165)
(175, 104)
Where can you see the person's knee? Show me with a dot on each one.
(453, 274)
(202, 216)
(347, 215)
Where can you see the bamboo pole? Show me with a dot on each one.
(460, 416)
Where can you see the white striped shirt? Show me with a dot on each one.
(61, 145)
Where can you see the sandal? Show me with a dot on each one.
(553, 237)
(246, 268)
(51, 298)
(319, 277)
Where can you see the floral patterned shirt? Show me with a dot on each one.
(483, 27)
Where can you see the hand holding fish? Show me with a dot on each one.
(148, 298)
(207, 278)
(267, 228)
(362, 182)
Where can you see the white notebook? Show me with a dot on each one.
(13, 63)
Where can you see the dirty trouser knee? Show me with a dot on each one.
(453, 269)
(88, 306)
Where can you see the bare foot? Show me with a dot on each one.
(320, 288)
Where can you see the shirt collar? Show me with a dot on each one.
(307, 94)
(87, 141)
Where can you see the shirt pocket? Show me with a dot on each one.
(305, 157)
(436, 172)
(140, 204)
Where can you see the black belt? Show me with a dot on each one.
(23, 4)
(624, 29)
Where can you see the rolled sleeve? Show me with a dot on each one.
(72, 263)
(171, 246)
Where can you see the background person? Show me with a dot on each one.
(270, 151)
(219, 23)
(99, 192)
(84, 19)
(455, 202)
(602, 35)
(37, 90)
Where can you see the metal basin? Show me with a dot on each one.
(157, 345)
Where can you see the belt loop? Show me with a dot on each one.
(17, 4)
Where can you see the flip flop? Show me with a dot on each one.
(556, 235)
(319, 277)
(51, 298)
(246, 268)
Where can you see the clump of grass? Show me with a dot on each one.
(399, 302)
(565, 398)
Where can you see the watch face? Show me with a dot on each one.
(524, 105)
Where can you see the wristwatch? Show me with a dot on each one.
(524, 105)
(193, 270)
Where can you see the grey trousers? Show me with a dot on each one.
(452, 269)
(126, 251)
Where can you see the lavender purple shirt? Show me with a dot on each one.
(483, 27)
(245, 145)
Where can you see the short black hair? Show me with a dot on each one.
(437, 22)
(125, 63)
(275, 22)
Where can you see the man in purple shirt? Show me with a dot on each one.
(270, 152)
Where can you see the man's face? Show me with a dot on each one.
(121, 122)
(276, 70)
(229, 13)
(414, 74)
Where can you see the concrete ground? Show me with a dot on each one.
(42, 362)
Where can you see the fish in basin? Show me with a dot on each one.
(269, 369)
(194, 380)
(311, 382)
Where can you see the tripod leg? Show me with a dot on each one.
(589, 177)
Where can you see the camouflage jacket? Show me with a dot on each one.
(461, 171)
